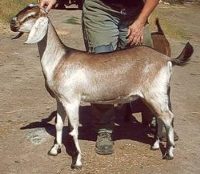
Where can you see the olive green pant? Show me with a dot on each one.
(105, 30)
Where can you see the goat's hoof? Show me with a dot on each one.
(154, 148)
(168, 157)
(75, 167)
(54, 152)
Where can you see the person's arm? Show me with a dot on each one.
(135, 30)
(48, 4)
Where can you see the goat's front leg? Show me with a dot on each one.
(60, 118)
(72, 110)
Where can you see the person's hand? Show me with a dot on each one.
(47, 4)
(135, 33)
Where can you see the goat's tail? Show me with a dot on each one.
(160, 31)
(184, 57)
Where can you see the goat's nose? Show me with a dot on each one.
(13, 21)
(13, 24)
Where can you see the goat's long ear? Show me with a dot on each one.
(38, 30)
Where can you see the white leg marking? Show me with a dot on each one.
(171, 152)
(170, 142)
(54, 150)
(170, 134)
(156, 144)
(59, 128)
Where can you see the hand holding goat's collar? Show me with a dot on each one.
(44, 11)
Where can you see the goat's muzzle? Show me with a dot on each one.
(14, 24)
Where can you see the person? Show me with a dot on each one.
(110, 25)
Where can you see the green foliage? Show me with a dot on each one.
(170, 29)
(175, 1)
(73, 20)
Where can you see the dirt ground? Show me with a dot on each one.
(27, 131)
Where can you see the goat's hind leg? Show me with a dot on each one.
(159, 104)
(158, 135)
(170, 136)
(166, 118)
(60, 118)
(168, 123)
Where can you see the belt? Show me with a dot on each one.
(122, 6)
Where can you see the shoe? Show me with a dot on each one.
(104, 144)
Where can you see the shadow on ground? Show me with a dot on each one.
(131, 129)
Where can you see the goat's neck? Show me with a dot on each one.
(51, 50)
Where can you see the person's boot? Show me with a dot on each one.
(104, 143)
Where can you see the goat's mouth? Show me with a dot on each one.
(15, 28)
(14, 25)
(18, 35)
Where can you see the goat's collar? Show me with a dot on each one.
(44, 10)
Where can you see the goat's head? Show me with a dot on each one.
(32, 20)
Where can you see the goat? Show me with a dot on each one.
(74, 76)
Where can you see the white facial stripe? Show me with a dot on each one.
(26, 26)
(28, 15)
(14, 18)
(32, 5)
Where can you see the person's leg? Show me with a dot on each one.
(141, 107)
(100, 27)
(127, 18)
(100, 33)
(103, 116)
(104, 121)
(148, 118)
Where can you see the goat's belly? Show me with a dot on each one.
(119, 99)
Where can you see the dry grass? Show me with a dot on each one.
(9, 8)
(170, 29)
